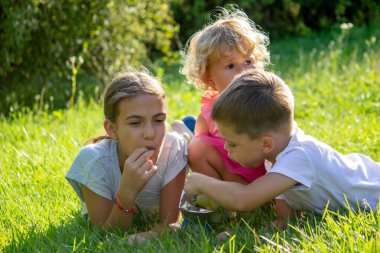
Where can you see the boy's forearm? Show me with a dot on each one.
(232, 195)
(226, 194)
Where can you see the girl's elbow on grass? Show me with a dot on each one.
(104, 226)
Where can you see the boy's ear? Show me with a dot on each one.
(110, 129)
(268, 144)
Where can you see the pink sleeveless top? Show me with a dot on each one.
(213, 138)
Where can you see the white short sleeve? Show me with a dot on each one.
(177, 156)
(295, 164)
(89, 171)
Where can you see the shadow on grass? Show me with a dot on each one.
(75, 235)
(78, 235)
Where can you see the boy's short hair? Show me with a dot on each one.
(256, 102)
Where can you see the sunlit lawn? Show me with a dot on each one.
(336, 82)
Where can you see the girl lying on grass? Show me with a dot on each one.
(137, 168)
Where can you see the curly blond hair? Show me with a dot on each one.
(231, 30)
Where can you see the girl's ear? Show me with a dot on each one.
(206, 78)
(268, 144)
(110, 129)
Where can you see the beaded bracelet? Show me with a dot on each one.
(131, 210)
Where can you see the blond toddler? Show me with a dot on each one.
(214, 56)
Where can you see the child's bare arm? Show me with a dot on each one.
(138, 170)
(239, 197)
(170, 196)
(201, 125)
(169, 211)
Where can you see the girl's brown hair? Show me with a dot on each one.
(126, 86)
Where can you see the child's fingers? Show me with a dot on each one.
(188, 187)
(150, 172)
(136, 178)
(136, 154)
(138, 158)
(147, 165)
(191, 184)
(144, 158)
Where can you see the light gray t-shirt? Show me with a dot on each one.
(97, 167)
(326, 176)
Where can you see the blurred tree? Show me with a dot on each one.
(38, 38)
(279, 17)
(133, 32)
(43, 44)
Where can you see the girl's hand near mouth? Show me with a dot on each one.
(138, 170)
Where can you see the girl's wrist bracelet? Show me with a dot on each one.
(131, 210)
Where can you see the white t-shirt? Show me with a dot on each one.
(97, 167)
(326, 176)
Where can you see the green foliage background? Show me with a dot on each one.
(45, 46)
(281, 18)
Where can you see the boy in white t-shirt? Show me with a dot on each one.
(255, 116)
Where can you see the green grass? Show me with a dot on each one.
(336, 82)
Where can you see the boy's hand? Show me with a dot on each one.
(138, 170)
(192, 183)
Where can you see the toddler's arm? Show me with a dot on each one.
(201, 125)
